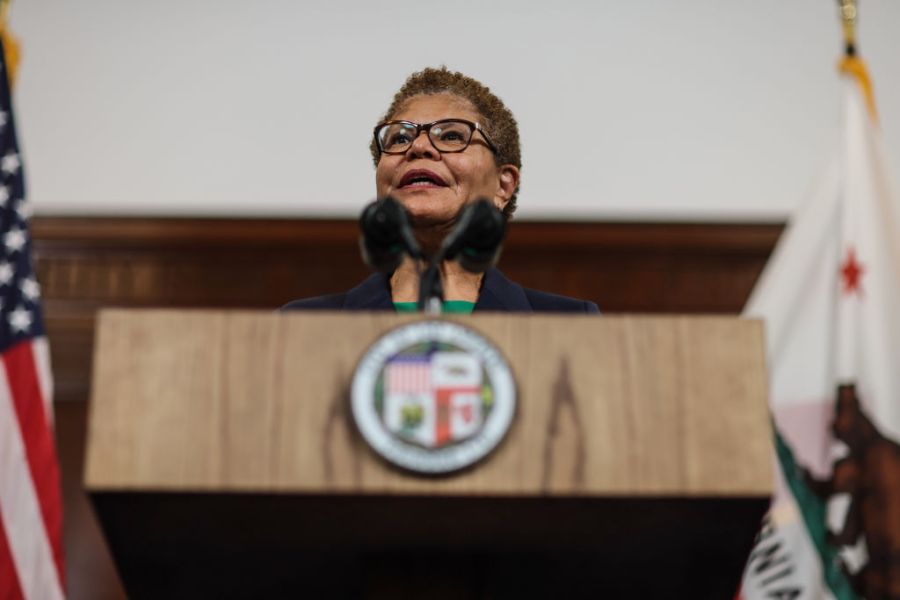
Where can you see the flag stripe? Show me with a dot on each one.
(10, 588)
(41, 352)
(37, 435)
(20, 510)
(409, 377)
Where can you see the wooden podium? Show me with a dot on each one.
(223, 463)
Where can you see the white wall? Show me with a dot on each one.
(648, 109)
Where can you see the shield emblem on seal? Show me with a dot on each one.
(434, 399)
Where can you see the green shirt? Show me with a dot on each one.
(459, 307)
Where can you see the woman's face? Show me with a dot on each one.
(456, 178)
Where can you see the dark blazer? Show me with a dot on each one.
(497, 294)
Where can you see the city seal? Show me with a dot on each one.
(433, 397)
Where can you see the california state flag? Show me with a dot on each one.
(830, 298)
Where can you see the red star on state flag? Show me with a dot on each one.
(852, 272)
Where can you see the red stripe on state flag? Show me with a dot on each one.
(22, 376)
(10, 588)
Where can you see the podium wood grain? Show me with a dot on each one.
(248, 401)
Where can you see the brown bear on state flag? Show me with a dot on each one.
(870, 475)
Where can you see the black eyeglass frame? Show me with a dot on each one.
(426, 127)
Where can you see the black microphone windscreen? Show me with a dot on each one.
(386, 235)
(477, 240)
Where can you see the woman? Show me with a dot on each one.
(445, 141)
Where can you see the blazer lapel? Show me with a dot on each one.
(499, 293)
(372, 294)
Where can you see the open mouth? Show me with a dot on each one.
(421, 178)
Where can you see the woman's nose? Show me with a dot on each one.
(422, 147)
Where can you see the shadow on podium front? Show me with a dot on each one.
(176, 545)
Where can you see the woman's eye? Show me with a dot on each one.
(452, 136)
(398, 139)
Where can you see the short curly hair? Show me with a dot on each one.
(498, 121)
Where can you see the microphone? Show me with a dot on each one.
(386, 235)
(477, 239)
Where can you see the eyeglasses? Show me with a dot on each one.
(446, 135)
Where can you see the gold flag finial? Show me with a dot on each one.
(851, 64)
(10, 43)
(848, 18)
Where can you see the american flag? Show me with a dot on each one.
(409, 375)
(31, 558)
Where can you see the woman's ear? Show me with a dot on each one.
(507, 182)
